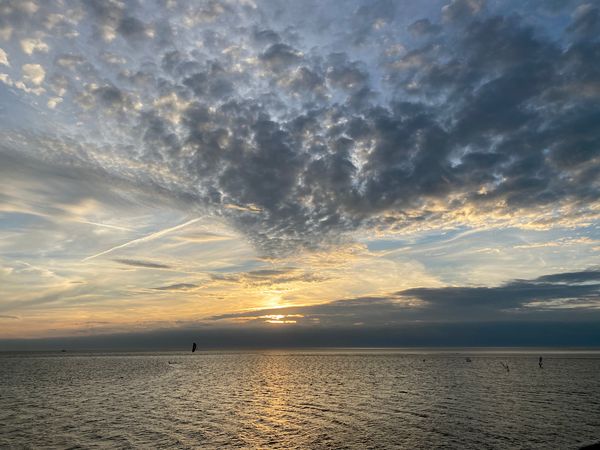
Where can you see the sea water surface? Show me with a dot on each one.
(300, 399)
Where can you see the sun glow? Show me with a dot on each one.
(281, 318)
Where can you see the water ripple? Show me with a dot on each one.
(298, 400)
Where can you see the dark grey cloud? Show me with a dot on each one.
(111, 17)
(368, 16)
(266, 36)
(213, 82)
(423, 27)
(572, 277)
(571, 290)
(109, 96)
(279, 56)
(586, 21)
(344, 74)
(132, 28)
(305, 81)
(555, 294)
(144, 264)
(462, 9)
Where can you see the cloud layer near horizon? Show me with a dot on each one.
(556, 297)
(557, 309)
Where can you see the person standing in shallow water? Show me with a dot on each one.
(541, 363)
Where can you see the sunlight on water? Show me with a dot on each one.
(300, 399)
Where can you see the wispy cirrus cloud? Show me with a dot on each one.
(176, 287)
(144, 264)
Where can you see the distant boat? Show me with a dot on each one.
(193, 347)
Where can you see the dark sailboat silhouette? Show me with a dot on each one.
(193, 347)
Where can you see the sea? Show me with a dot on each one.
(304, 399)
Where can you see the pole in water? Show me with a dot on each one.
(541, 363)
(193, 347)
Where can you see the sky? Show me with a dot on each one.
(299, 173)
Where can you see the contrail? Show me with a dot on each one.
(105, 225)
(146, 238)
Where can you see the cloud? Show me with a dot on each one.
(563, 296)
(558, 292)
(461, 9)
(369, 17)
(278, 56)
(106, 17)
(270, 277)
(33, 73)
(144, 264)
(148, 237)
(303, 132)
(423, 27)
(371, 310)
(300, 129)
(56, 295)
(176, 287)
(586, 21)
(203, 237)
(53, 102)
(572, 277)
(109, 96)
(132, 28)
(4, 58)
(33, 45)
